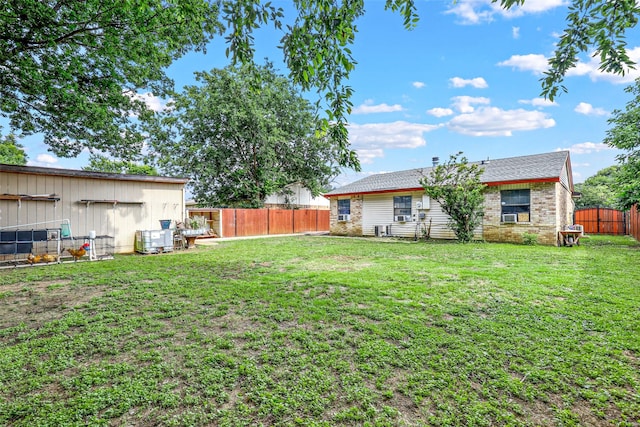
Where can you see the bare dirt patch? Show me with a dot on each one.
(36, 303)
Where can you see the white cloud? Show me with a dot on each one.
(591, 69)
(368, 156)
(398, 134)
(532, 62)
(492, 121)
(587, 148)
(478, 82)
(479, 11)
(369, 108)
(538, 102)
(537, 6)
(46, 160)
(465, 104)
(515, 32)
(418, 85)
(440, 112)
(589, 110)
(468, 12)
(152, 102)
(538, 64)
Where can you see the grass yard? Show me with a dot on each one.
(318, 331)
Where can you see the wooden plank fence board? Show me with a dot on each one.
(228, 222)
(259, 222)
(303, 221)
(601, 221)
(323, 221)
(252, 222)
(634, 222)
(280, 221)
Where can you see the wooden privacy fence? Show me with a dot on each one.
(262, 222)
(634, 222)
(602, 221)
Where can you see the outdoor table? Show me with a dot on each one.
(569, 237)
(190, 235)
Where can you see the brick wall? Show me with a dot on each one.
(551, 210)
(348, 228)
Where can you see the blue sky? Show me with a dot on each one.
(466, 79)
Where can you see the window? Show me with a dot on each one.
(401, 205)
(516, 202)
(344, 206)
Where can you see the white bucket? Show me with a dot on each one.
(92, 234)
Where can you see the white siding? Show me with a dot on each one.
(564, 177)
(300, 196)
(378, 210)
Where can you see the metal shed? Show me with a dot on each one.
(96, 203)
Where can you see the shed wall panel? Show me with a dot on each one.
(153, 201)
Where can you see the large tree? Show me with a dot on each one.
(71, 68)
(625, 135)
(457, 187)
(600, 189)
(242, 134)
(102, 163)
(11, 152)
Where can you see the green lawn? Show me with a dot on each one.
(318, 331)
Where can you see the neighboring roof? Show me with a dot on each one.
(533, 168)
(36, 170)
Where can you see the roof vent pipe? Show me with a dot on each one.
(435, 161)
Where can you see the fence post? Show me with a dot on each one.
(625, 219)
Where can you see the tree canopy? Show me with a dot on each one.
(456, 185)
(101, 163)
(624, 134)
(11, 152)
(600, 189)
(242, 134)
(72, 69)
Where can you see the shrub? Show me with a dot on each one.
(529, 239)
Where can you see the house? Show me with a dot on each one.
(295, 196)
(527, 194)
(112, 206)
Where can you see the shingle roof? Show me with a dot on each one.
(513, 169)
(37, 170)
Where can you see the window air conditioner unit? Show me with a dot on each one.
(403, 218)
(344, 217)
(509, 217)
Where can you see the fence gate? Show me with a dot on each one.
(602, 221)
